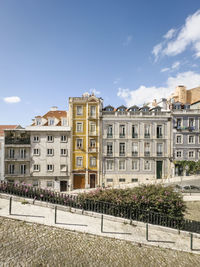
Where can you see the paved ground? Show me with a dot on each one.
(91, 225)
(29, 244)
(193, 212)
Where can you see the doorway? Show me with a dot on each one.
(92, 180)
(63, 186)
(159, 169)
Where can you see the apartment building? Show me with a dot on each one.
(84, 121)
(39, 155)
(186, 135)
(136, 144)
(2, 128)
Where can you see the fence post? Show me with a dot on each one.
(147, 232)
(55, 214)
(10, 206)
(191, 241)
(101, 223)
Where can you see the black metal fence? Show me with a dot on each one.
(100, 207)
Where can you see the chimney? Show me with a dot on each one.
(54, 108)
(154, 103)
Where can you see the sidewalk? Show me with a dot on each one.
(158, 236)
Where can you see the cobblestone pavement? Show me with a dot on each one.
(29, 244)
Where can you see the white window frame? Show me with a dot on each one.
(189, 121)
(51, 121)
(179, 118)
(63, 152)
(120, 161)
(23, 169)
(179, 151)
(11, 168)
(36, 167)
(109, 165)
(79, 124)
(93, 127)
(36, 139)
(149, 162)
(11, 153)
(22, 153)
(79, 112)
(37, 150)
(179, 135)
(132, 163)
(91, 113)
(50, 167)
(63, 139)
(50, 184)
(81, 161)
(189, 139)
(50, 152)
(93, 161)
(122, 180)
(50, 138)
(63, 167)
(78, 146)
(193, 151)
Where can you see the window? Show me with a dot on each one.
(22, 169)
(146, 149)
(79, 161)
(93, 111)
(122, 131)
(110, 131)
(147, 165)
(191, 122)
(50, 152)
(79, 143)
(49, 184)
(38, 121)
(122, 180)
(36, 139)
(64, 122)
(63, 138)
(121, 164)
(51, 122)
(11, 168)
(49, 138)
(22, 153)
(109, 166)
(159, 149)
(134, 180)
(191, 139)
(109, 149)
(159, 131)
(63, 152)
(147, 131)
(36, 167)
(92, 143)
(179, 154)
(49, 167)
(191, 154)
(179, 139)
(79, 110)
(134, 149)
(179, 122)
(134, 165)
(63, 168)
(122, 149)
(109, 180)
(11, 153)
(36, 151)
(134, 131)
(79, 126)
(92, 161)
(35, 183)
(92, 128)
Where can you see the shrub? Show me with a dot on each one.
(147, 197)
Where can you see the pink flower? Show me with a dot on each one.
(41, 195)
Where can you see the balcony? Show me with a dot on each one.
(122, 154)
(146, 135)
(191, 128)
(122, 135)
(159, 135)
(27, 158)
(93, 133)
(135, 135)
(159, 154)
(93, 149)
(17, 174)
(109, 154)
(17, 141)
(147, 153)
(134, 153)
(109, 135)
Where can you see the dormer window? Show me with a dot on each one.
(38, 121)
(64, 122)
(51, 122)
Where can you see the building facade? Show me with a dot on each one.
(40, 154)
(186, 135)
(84, 121)
(136, 144)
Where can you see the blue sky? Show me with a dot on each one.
(129, 52)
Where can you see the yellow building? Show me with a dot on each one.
(84, 116)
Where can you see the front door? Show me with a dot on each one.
(79, 181)
(92, 180)
(63, 186)
(159, 169)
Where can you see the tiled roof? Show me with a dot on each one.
(55, 114)
(7, 127)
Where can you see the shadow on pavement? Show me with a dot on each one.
(162, 241)
(116, 233)
(72, 224)
(37, 216)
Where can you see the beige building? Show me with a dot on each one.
(39, 155)
(185, 96)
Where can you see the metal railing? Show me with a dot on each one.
(127, 212)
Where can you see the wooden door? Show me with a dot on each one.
(63, 186)
(159, 169)
(92, 180)
(79, 181)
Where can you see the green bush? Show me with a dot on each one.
(147, 197)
